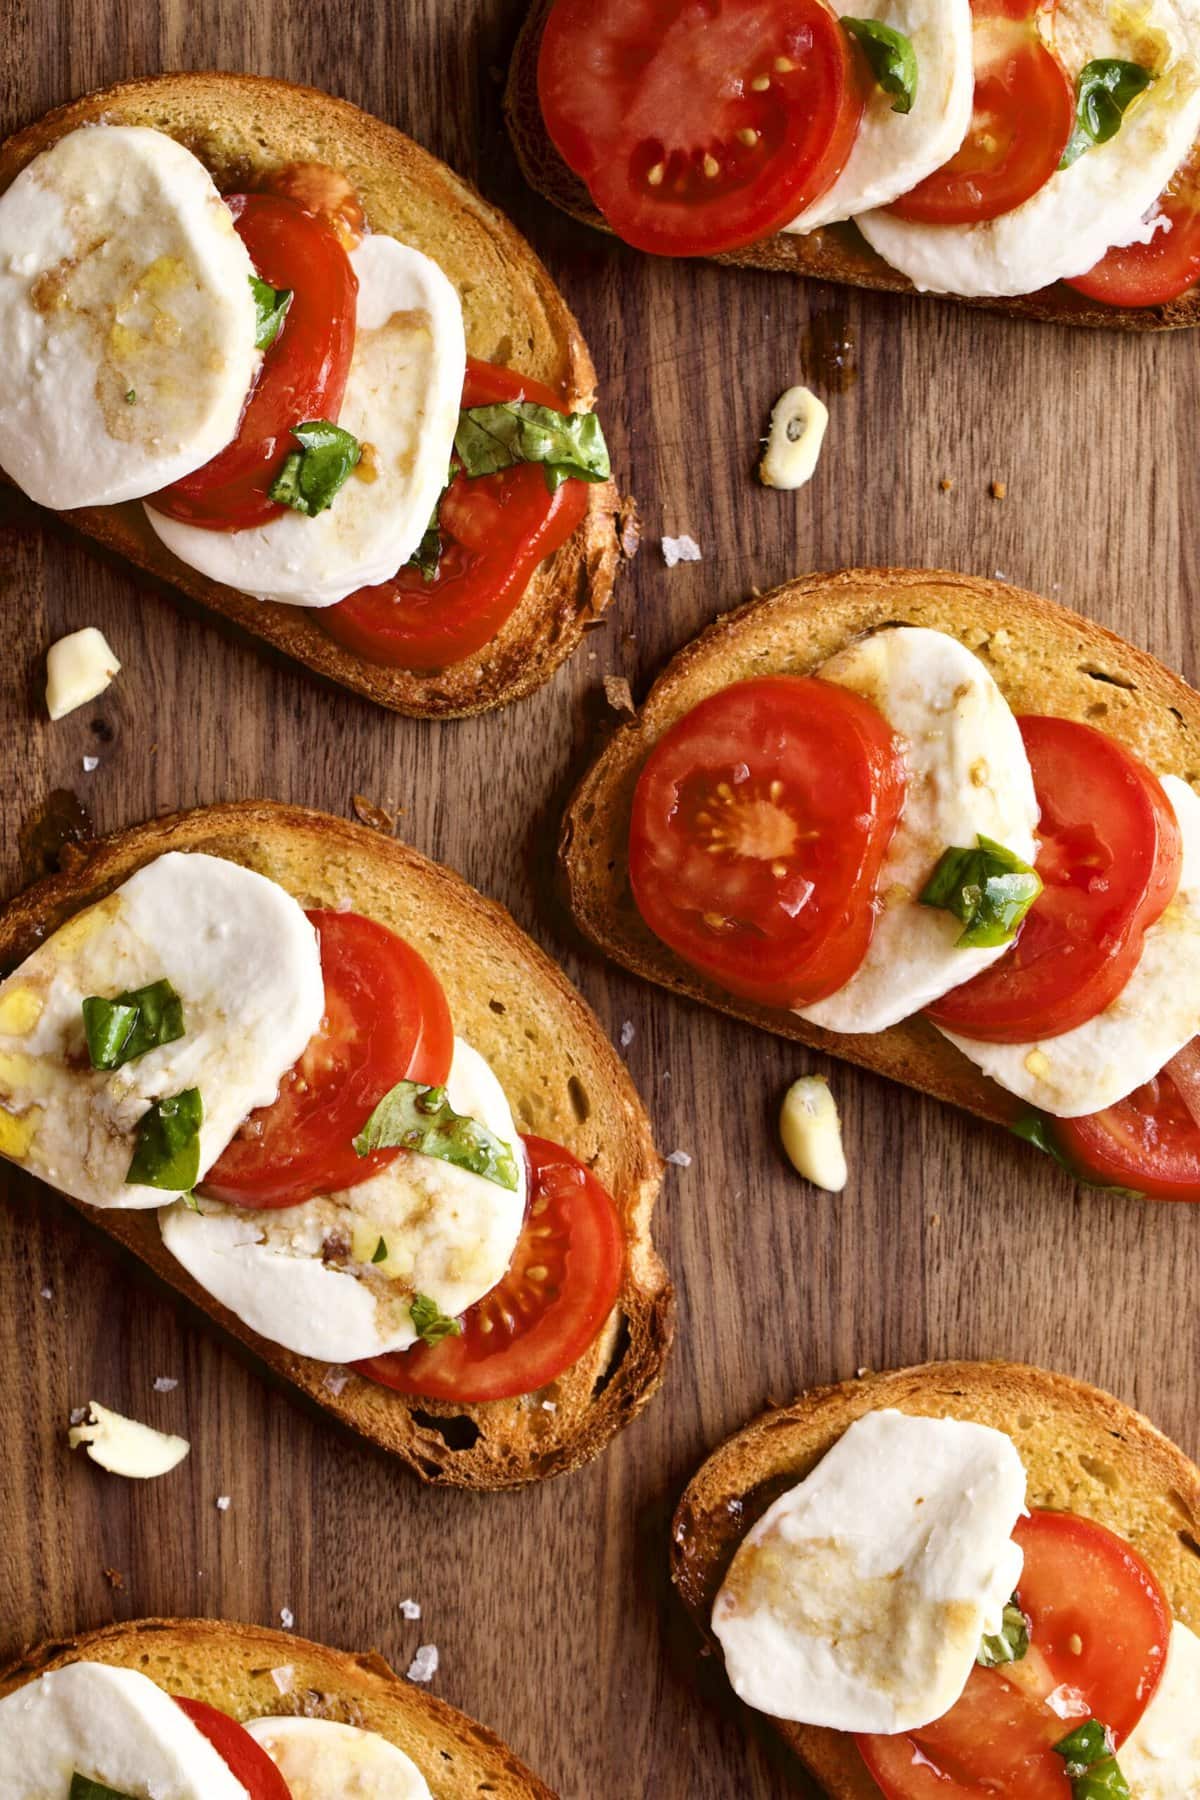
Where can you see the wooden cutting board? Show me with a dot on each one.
(551, 1608)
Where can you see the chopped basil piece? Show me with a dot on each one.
(988, 889)
(270, 308)
(569, 446)
(428, 554)
(380, 1252)
(311, 476)
(1009, 1644)
(890, 57)
(1103, 93)
(429, 1321)
(1036, 1129)
(412, 1117)
(1091, 1764)
(167, 1152)
(84, 1788)
(131, 396)
(139, 1020)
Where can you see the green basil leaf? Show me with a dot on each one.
(311, 476)
(429, 1321)
(1009, 1644)
(412, 1117)
(84, 1788)
(1091, 1765)
(1036, 1129)
(380, 1251)
(569, 446)
(138, 1020)
(890, 57)
(167, 1152)
(428, 554)
(1103, 93)
(270, 308)
(988, 889)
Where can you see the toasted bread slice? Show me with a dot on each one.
(563, 1079)
(242, 127)
(1045, 659)
(231, 1667)
(834, 253)
(1083, 1451)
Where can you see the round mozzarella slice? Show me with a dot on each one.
(305, 1276)
(968, 776)
(126, 315)
(402, 399)
(113, 1725)
(1160, 1759)
(859, 1599)
(1156, 1013)
(245, 963)
(321, 1760)
(894, 151)
(1082, 211)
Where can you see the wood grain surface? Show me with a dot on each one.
(550, 1607)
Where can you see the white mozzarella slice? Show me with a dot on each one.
(1152, 1018)
(245, 962)
(894, 151)
(968, 775)
(303, 1276)
(321, 1760)
(402, 398)
(113, 1725)
(1081, 211)
(1160, 1759)
(859, 1599)
(126, 315)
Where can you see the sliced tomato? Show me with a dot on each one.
(386, 1020)
(1098, 1628)
(1148, 1142)
(700, 125)
(561, 1286)
(495, 529)
(1151, 274)
(1024, 111)
(760, 823)
(1109, 859)
(247, 1760)
(303, 374)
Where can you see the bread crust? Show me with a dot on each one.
(244, 126)
(229, 1667)
(1045, 658)
(1084, 1451)
(563, 1079)
(833, 253)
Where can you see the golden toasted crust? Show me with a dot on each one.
(242, 127)
(1045, 658)
(1083, 1451)
(834, 253)
(563, 1080)
(229, 1667)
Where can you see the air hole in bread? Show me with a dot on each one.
(1100, 1471)
(1024, 1422)
(1188, 1542)
(1098, 709)
(457, 1432)
(1120, 681)
(497, 1006)
(615, 1360)
(581, 1105)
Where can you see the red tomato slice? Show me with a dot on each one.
(248, 1761)
(1110, 859)
(760, 823)
(1151, 274)
(1149, 1142)
(303, 374)
(561, 1285)
(700, 125)
(386, 1020)
(1098, 1624)
(1024, 111)
(496, 529)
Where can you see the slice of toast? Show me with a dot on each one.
(834, 253)
(250, 1673)
(242, 127)
(1045, 658)
(1083, 1451)
(563, 1079)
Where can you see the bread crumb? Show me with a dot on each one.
(946, 483)
(165, 1384)
(680, 549)
(287, 1617)
(223, 1502)
(115, 1580)
(377, 817)
(998, 490)
(935, 1218)
(410, 1609)
(628, 1032)
(618, 694)
(680, 1158)
(282, 1677)
(424, 1664)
